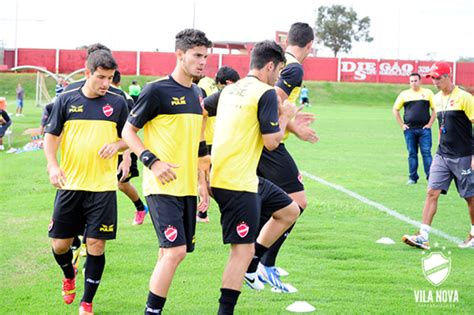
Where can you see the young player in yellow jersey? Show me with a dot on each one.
(87, 123)
(170, 111)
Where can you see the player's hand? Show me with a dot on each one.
(57, 177)
(164, 171)
(2, 121)
(288, 109)
(204, 165)
(108, 150)
(427, 126)
(124, 168)
(304, 118)
(203, 192)
(405, 127)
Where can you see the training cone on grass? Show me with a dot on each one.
(301, 307)
(385, 241)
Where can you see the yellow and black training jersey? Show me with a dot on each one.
(210, 104)
(455, 113)
(291, 78)
(85, 125)
(416, 106)
(247, 109)
(171, 115)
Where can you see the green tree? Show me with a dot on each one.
(337, 26)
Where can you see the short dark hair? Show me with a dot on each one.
(264, 52)
(117, 77)
(134, 82)
(415, 74)
(101, 59)
(300, 34)
(227, 73)
(190, 38)
(95, 47)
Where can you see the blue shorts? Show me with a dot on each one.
(19, 103)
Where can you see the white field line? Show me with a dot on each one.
(380, 207)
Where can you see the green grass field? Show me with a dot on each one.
(332, 255)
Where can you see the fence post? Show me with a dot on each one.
(455, 64)
(57, 60)
(338, 69)
(138, 63)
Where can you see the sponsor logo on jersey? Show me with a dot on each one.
(76, 109)
(178, 100)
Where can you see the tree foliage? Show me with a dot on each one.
(337, 26)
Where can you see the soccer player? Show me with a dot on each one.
(453, 159)
(127, 167)
(278, 166)
(225, 76)
(416, 124)
(170, 111)
(247, 120)
(87, 123)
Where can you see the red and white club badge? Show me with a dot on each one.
(171, 233)
(201, 101)
(300, 178)
(242, 229)
(108, 110)
(50, 226)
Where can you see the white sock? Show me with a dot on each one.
(472, 229)
(425, 231)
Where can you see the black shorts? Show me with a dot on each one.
(272, 199)
(304, 100)
(74, 209)
(242, 212)
(279, 167)
(133, 168)
(174, 219)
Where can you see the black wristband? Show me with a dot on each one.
(148, 158)
(203, 151)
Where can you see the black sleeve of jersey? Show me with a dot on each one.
(57, 118)
(122, 119)
(5, 116)
(203, 92)
(268, 112)
(74, 85)
(147, 107)
(46, 114)
(290, 77)
(130, 103)
(210, 103)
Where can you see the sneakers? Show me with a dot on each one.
(253, 281)
(69, 290)
(468, 243)
(416, 240)
(411, 182)
(140, 216)
(86, 309)
(271, 276)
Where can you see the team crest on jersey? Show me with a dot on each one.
(171, 233)
(108, 110)
(50, 226)
(451, 103)
(242, 229)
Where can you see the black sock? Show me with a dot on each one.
(139, 205)
(269, 258)
(93, 274)
(227, 301)
(76, 243)
(154, 304)
(202, 215)
(65, 262)
(259, 252)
